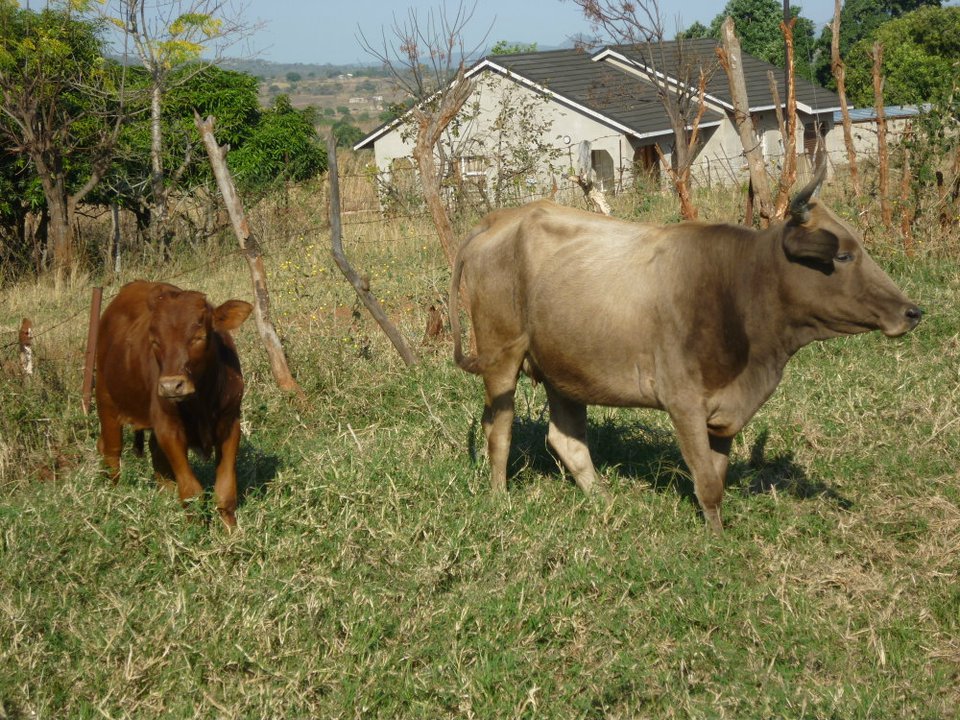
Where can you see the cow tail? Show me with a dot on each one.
(470, 363)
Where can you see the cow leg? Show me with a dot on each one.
(225, 488)
(498, 422)
(706, 457)
(568, 438)
(110, 442)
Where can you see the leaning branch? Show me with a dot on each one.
(840, 74)
(360, 284)
(251, 253)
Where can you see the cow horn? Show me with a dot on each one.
(800, 204)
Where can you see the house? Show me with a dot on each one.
(607, 99)
(863, 129)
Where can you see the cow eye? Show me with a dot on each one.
(843, 257)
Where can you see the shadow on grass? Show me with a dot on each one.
(255, 469)
(640, 453)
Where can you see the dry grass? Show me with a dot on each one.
(373, 574)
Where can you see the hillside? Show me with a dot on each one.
(356, 93)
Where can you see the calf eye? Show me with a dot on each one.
(843, 257)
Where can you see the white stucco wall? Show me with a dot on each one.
(864, 138)
(477, 134)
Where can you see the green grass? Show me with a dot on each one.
(375, 576)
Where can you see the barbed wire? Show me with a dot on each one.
(110, 296)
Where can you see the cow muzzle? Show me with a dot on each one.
(908, 321)
(175, 387)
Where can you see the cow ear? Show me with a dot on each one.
(231, 315)
(817, 245)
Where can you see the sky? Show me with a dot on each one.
(326, 31)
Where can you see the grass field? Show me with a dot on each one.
(373, 575)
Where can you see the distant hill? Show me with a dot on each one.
(267, 69)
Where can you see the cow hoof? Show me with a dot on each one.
(714, 524)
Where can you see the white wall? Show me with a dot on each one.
(478, 136)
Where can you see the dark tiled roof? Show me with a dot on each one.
(589, 83)
(678, 55)
(596, 86)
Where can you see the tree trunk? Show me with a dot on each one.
(732, 63)
(431, 122)
(788, 128)
(158, 186)
(59, 227)
(883, 159)
(251, 253)
(840, 74)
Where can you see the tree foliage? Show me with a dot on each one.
(758, 28)
(503, 47)
(860, 19)
(60, 108)
(921, 58)
(282, 147)
(229, 96)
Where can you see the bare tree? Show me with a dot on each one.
(679, 81)
(426, 57)
(167, 35)
(840, 75)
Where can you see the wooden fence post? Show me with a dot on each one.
(361, 285)
(89, 358)
(25, 339)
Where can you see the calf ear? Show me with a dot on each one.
(231, 315)
(816, 245)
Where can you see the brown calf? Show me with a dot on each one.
(166, 361)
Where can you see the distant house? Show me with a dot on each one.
(607, 99)
(863, 128)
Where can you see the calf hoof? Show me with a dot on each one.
(229, 518)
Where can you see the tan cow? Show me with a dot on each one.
(695, 319)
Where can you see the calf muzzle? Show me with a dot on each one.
(175, 387)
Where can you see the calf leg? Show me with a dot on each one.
(225, 488)
(173, 444)
(110, 442)
(161, 466)
(707, 459)
(568, 437)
